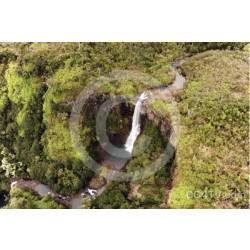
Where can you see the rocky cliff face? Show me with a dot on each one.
(121, 115)
(163, 123)
(124, 111)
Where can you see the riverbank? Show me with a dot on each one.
(69, 201)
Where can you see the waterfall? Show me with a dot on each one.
(136, 126)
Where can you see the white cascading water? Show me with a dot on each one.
(136, 126)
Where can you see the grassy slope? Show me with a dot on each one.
(212, 153)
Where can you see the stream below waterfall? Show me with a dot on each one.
(117, 163)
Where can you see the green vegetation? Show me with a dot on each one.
(114, 196)
(24, 198)
(4, 187)
(39, 83)
(201, 47)
(213, 150)
(118, 195)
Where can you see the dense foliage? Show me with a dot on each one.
(40, 81)
(153, 188)
(212, 154)
(25, 198)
